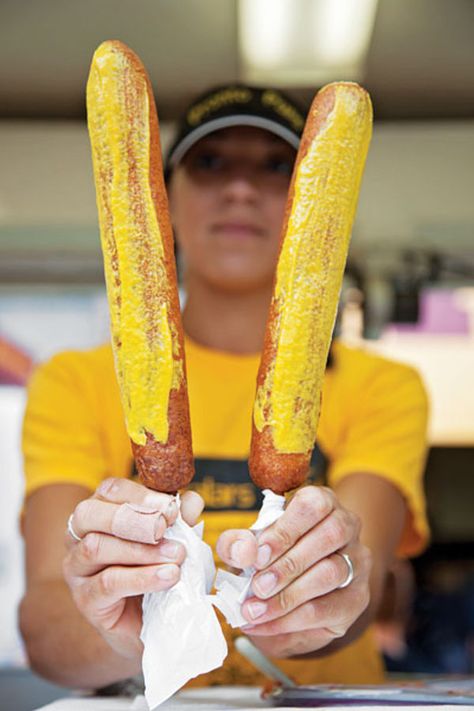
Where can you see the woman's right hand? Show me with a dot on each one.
(122, 555)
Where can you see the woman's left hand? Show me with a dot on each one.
(298, 605)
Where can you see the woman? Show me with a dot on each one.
(228, 175)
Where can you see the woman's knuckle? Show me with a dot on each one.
(289, 567)
(330, 574)
(285, 600)
(91, 546)
(304, 494)
(284, 537)
(313, 613)
(335, 533)
(328, 498)
(367, 558)
(297, 644)
(315, 501)
(339, 631)
(309, 499)
(106, 582)
(359, 599)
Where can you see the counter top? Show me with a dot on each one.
(215, 699)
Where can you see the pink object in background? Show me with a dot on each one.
(15, 364)
(440, 313)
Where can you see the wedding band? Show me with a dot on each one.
(350, 571)
(71, 530)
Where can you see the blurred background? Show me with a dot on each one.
(409, 288)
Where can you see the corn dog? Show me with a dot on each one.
(315, 239)
(137, 245)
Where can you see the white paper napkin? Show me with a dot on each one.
(233, 590)
(181, 634)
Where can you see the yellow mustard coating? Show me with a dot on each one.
(310, 270)
(143, 340)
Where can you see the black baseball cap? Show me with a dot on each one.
(237, 105)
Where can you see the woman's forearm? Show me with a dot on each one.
(62, 646)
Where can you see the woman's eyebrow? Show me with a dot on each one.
(270, 141)
(217, 136)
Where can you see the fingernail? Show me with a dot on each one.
(265, 583)
(106, 487)
(166, 572)
(256, 609)
(169, 549)
(159, 527)
(264, 553)
(236, 551)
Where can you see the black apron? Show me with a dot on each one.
(225, 484)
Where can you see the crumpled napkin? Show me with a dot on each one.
(181, 634)
(233, 590)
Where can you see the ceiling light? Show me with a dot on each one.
(304, 42)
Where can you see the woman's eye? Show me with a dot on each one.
(207, 161)
(280, 166)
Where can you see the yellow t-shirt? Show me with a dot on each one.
(373, 419)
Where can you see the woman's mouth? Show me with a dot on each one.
(237, 230)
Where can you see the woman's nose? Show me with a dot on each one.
(240, 185)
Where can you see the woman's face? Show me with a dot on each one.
(227, 200)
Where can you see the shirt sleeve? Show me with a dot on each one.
(387, 436)
(61, 435)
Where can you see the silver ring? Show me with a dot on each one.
(350, 571)
(70, 529)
